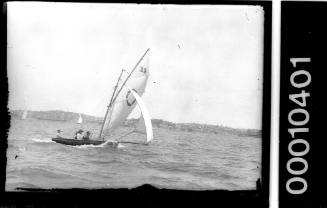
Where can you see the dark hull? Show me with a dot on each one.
(76, 142)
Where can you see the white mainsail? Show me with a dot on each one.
(80, 120)
(24, 116)
(125, 101)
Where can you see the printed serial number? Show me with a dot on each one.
(298, 118)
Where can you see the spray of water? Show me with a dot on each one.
(44, 140)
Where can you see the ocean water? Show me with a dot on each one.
(175, 159)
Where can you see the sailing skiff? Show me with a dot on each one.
(76, 142)
(124, 98)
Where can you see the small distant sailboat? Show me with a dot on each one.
(126, 95)
(24, 116)
(80, 119)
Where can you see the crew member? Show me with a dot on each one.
(87, 136)
(59, 133)
(79, 134)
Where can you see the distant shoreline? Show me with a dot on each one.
(57, 115)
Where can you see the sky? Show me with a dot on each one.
(206, 62)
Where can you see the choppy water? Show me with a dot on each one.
(175, 159)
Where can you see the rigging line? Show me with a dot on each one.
(128, 133)
(110, 104)
(119, 79)
(125, 135)
(112, 107)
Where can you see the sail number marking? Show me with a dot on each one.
(143, 69)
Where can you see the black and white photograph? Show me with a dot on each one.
(113, 95)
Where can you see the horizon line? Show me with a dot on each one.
(220, 125)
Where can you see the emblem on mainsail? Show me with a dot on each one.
(130, 100)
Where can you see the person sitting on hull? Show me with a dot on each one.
(79, 134)
(59, 133)
(87, 136)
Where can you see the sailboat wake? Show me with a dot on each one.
(109, 143)
(46, 140)
(85, 146)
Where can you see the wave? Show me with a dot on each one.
(11, 146)
(121, 146)
(46, 140)
(108, 143)
(19, 186)
(86, 146)
(22, 149)
(38, 171)
(33, 172)
(106, 162)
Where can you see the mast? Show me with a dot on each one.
(115, 95)
(110, 103)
